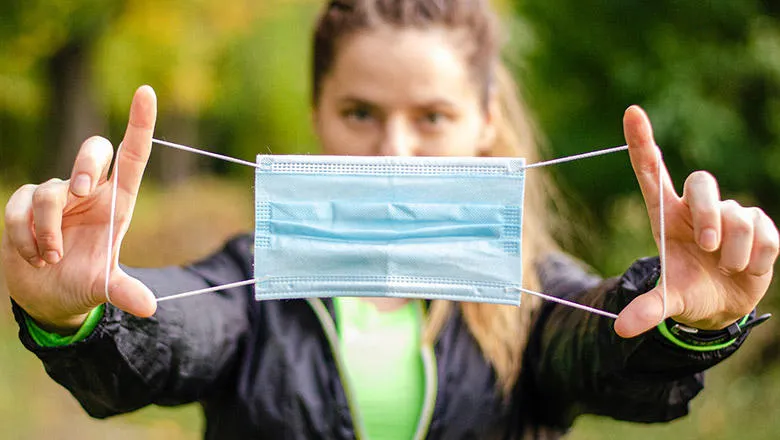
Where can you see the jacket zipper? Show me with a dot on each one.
(333, 340)
(431, 383)
(429, 366)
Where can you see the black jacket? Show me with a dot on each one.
(267, 370)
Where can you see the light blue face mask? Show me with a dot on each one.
(413, 227)
(446, 228)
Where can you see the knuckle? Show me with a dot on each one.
(96, 140)
(94, 156)
(701, 186)
(757, 270)
(133, 156)
(730, 268)
(762, 220)
(27, 251)
(15, 208)
(740, 224)
(22, 192)
(766, 218)
(730, 205)
(648, 168)
(701, 177)
(46, 194)
(755, 212)
(96, 147)
(27, 188)
(767, 248)
(87, 159)
(738, 219)
(706, 212)
(47, 239)
(768, 242)
(15, 216)
(773, 240)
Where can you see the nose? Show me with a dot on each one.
(398, 138)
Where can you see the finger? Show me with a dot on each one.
(48, 202)
(645, 312)
(766, 243)
(737, 241)
(702, 196)
(91, 165)
(646, 160)
(131, 295)
(18, 224)
(136, 146)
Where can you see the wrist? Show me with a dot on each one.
(63, 326)
(53, 316)
(696, 339)
(44, 338)
(711, 324)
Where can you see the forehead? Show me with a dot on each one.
(400, 66)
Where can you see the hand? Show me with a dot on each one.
(719, 255)
(54, 249)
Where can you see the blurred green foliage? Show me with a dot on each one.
(232, 77)
(708, 73)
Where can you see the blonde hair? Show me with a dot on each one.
(500, 331)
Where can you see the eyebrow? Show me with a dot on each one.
(432, 103)
(355, 100)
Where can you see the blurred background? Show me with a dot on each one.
(232, 77)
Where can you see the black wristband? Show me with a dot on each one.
(708, 338)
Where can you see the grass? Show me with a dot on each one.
(732, 405)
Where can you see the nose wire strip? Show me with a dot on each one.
(112, 216)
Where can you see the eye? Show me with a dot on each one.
(359, 114)
(433, 120)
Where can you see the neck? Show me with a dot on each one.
(386, 304)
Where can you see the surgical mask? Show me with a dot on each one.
(429, 227)
(447, 228)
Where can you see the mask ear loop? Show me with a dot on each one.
(563, 301)
(111, 219)
(211, 289)
(661, 233)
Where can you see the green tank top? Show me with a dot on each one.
(381, 351)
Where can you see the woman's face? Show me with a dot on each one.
(402, 93)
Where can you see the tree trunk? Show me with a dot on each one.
(170, 166)
(74, 115)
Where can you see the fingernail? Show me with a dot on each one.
(708, 239)
(51, 257)
(81, 186)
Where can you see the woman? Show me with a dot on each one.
(390, 77)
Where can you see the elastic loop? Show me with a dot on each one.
(111, 219)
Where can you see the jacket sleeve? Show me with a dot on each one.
(180, 355)
(578, 364)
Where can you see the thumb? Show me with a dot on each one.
(642, 314)
(131, 295)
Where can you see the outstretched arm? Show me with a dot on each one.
(719, 260)
(54, 254)
(576, 364)
(186, 352)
